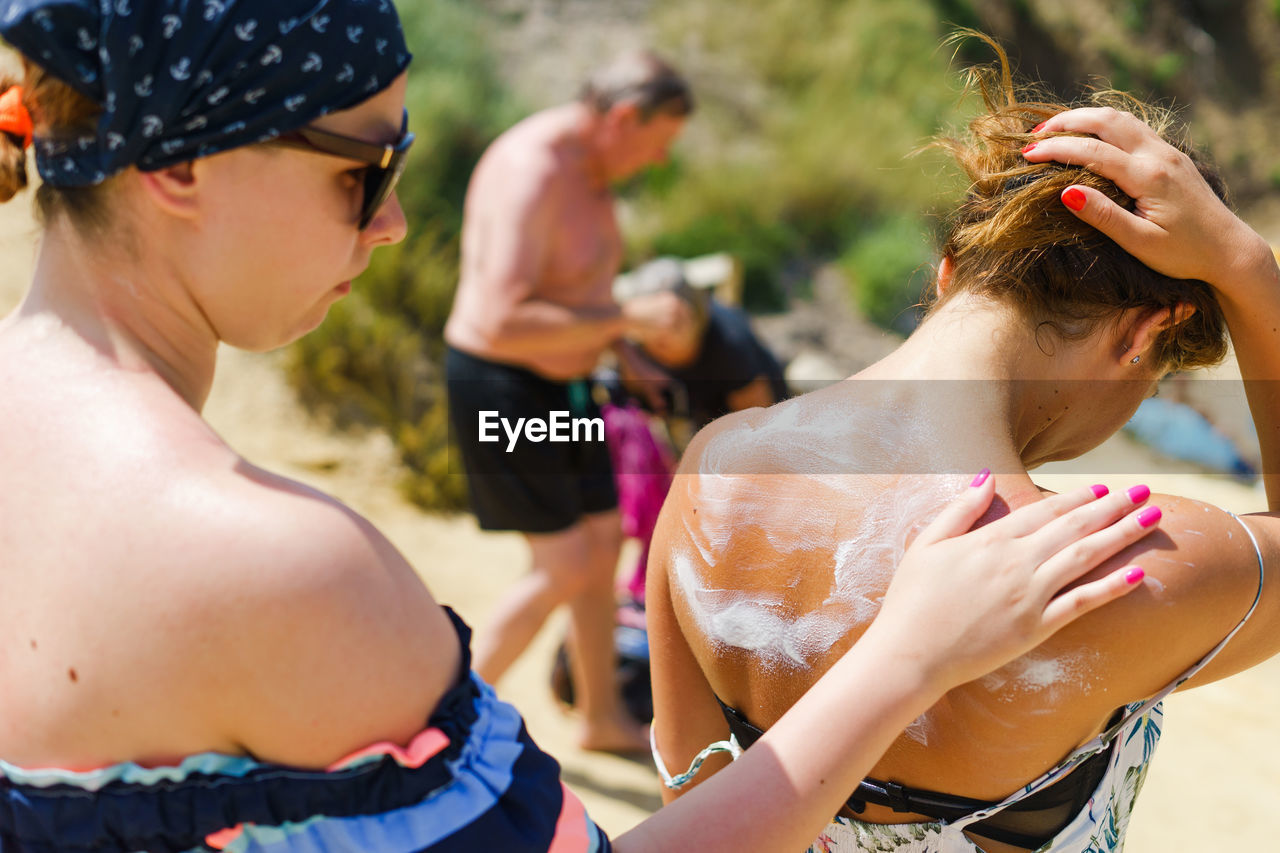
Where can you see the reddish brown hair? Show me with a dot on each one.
(13, 159)
(1013, 240)
(57, 110)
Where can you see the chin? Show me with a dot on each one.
(307, 328)
(1057, 455)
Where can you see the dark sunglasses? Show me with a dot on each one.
(386, 162)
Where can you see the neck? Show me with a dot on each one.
(133, 312)
(584, 127)
(993, 392)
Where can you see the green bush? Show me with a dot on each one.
(806, 118)
(888, 267)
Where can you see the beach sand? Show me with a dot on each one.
(1212, 782)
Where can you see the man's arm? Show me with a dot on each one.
(506, 249)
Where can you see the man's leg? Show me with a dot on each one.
(575, 567)
(558, 574)
(606, 724)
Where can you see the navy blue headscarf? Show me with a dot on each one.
(181, 79)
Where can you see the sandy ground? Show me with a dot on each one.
(1210, 789)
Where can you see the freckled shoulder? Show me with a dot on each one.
(1202, 577)
(322, 637)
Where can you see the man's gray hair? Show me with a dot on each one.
(641, 78)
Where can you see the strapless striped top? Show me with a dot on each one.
(472, 780)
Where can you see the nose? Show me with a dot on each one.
(388, 226)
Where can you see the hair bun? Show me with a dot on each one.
(15, 137)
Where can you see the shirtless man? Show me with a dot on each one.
(533, 314)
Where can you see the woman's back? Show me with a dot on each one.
(782, 539)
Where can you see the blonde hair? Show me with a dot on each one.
(1012, 239)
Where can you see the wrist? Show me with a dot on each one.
(917, 677)
(1250, 270)
(620, 332)
(624, 348)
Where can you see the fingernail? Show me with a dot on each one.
(1100, 491)
(1138, 494)
(1134, 574)
(1149, 516)
(1039, 127)
(981, 478)
(1028, 148)
(1073, 198)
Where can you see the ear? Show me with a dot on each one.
(173, 189)
(946, 270)
(622, 115)
(1145, 328)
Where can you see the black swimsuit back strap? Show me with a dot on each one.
(1028, 823)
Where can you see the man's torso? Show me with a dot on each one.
(579, 254)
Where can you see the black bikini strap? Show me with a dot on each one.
(889, 794)
(900, 798)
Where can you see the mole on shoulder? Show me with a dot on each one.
(71, 673)
(33, 644)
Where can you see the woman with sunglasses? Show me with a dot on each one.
(198, 654)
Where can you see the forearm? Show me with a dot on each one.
(537, 327)
(1250, 299)
(781, 793)
(631, 360)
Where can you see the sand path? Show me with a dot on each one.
(1210, 789)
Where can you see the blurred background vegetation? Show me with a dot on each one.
(798, 158)
(378, 358)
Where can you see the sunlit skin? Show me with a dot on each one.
(538, 293)
(1016, 402)
(186, 561)
(164, 597)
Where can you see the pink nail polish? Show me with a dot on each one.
(1134, 575)
(1138, 494)
(1029, 148)
(1100, 491)
(1039, 127)
(981, 478)
(1149, 516)
(1074, 199)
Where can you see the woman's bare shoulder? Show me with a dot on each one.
(322, 637)
(1202, 576)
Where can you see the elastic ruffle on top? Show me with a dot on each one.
(472, 780)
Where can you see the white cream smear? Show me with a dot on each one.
(837, 479)
(1037, 672)
(841, 457)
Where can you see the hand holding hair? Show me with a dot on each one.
(1179, 226)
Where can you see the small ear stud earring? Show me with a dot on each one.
(1135, 359)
